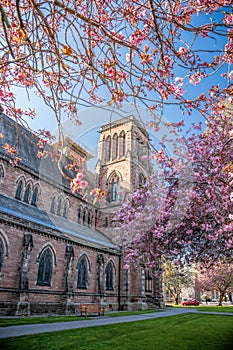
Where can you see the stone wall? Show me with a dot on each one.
(13, 292)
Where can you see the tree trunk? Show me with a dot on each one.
(176, 300)
(230, 297)
(220, 299)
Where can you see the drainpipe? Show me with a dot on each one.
(96, 213)
(119, 279)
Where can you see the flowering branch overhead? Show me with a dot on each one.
(82, 53)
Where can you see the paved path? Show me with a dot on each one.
(16, 331)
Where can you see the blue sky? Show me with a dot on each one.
(93, 118)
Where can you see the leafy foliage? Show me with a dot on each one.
(184, 211)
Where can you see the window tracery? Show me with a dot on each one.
(53, 204)
(34, 196)
(82, 276)
(141, 180)
(1, 254)
(122, 144)
(115, 188)
(108, 149)
(45, 268)
(27, 193)
(2, 173)
(80, 213)
(109, 271)
(114, 146)
(19, 189)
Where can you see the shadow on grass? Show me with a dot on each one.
(182, 332)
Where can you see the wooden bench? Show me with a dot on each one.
(86, 309)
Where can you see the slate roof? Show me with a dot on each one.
(64, 228)
(21, 138)
(26, 144)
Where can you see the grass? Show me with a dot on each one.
(216, 308)
(208, 308)
(181, 332)
(17, 321)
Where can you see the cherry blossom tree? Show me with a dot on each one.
(217, 278)
(184, 211)
(81, 53)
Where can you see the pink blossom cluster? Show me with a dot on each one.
(13, 152)
(98, 194)
(137, 37)
(183, 211)
(133, 13)
(78, 184)
(195, 79)
(4, 95)
(228, 52)
(116, 75)
(210, 5)
(228, 19)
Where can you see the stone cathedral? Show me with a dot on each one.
(57, 250)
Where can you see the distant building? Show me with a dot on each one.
(56, 249)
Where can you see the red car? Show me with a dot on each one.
(191, 302)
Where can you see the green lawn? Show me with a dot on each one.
(209, 308)
(17, 321)
(182, 332)
(216, 308)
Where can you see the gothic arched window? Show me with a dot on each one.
(1, 254)
(115, 188)
(34, 196)
(19, 190)
(141, 180)
(80, 213)
(59, 206)
(27, 193)
(148, 281)
(122, 144)
(114, 146)
(53, 203)
(140, 147)
(45, 268)
(82, 276)
(65, 210)
(109, 276)
(2, 173)
(108, 148)
(85, 216)
(105, 222)
(89, 218)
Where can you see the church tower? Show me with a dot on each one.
(123, 164)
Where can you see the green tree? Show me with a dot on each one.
(175, 278)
